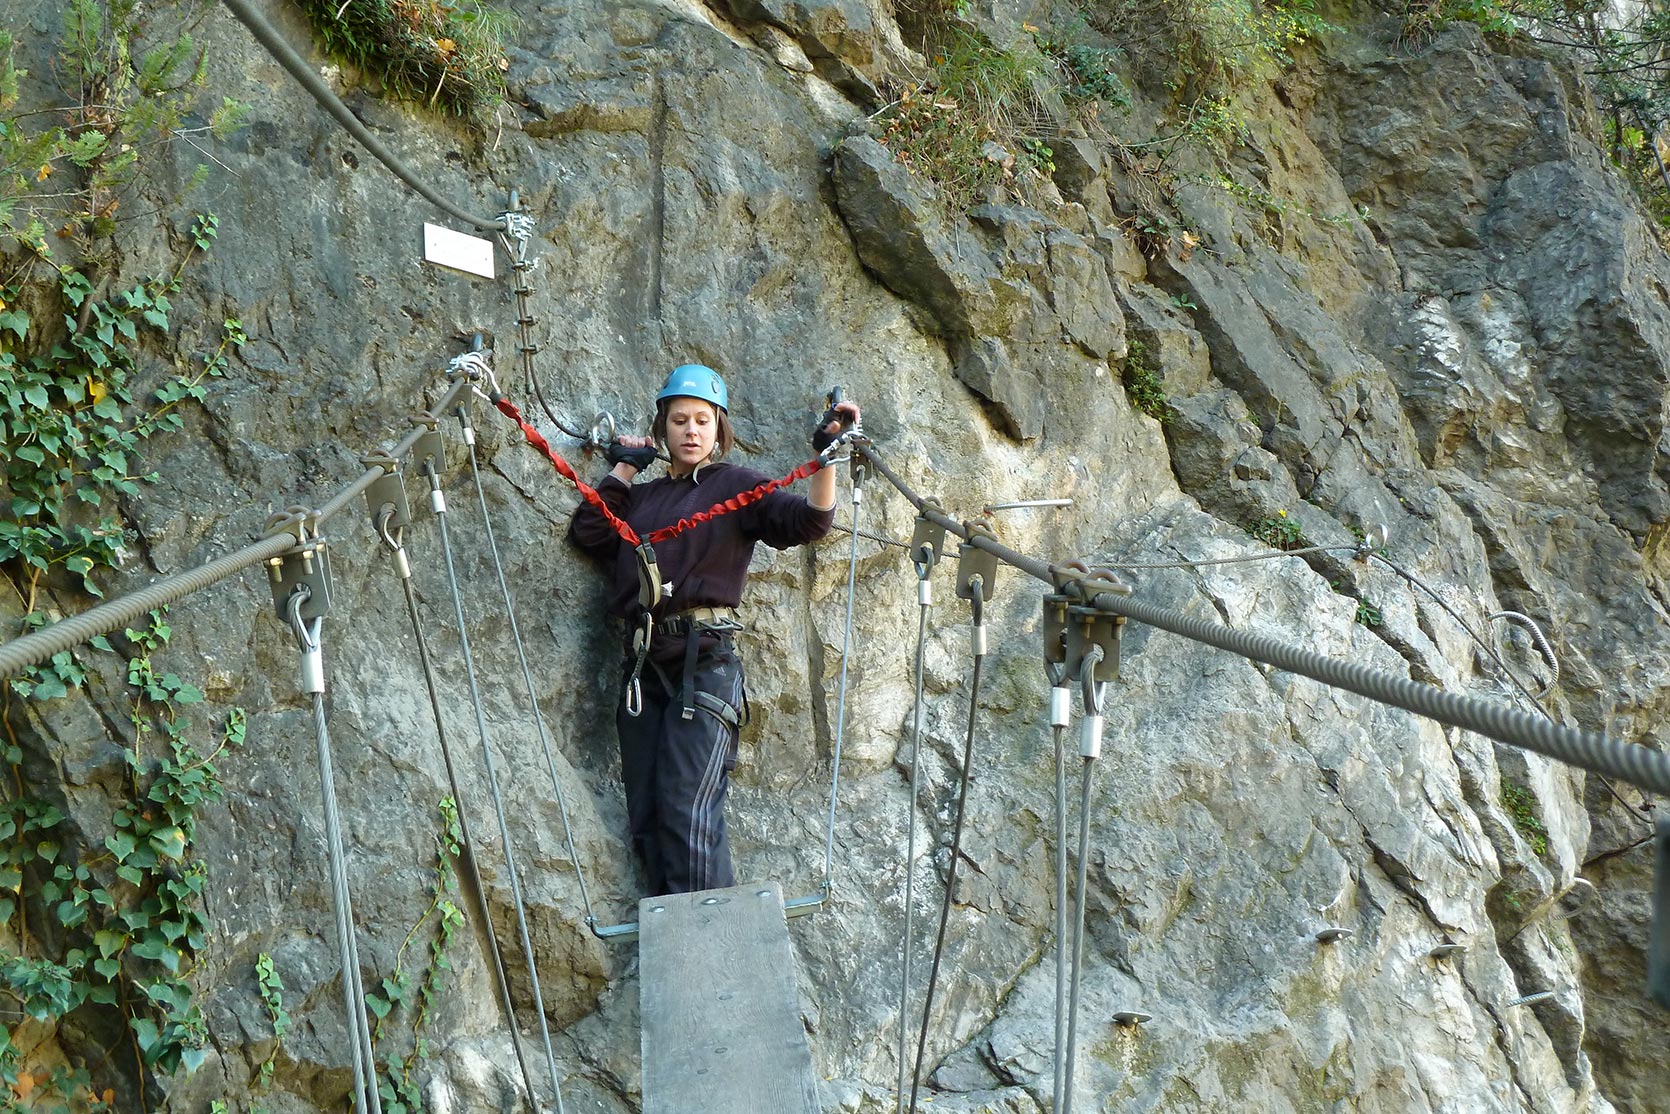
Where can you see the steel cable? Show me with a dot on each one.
(924, 600)
(1060, 1056)
(353, 991)
(527, 674)
(472, 871)
(285, 55)
(841, 702)
(956, 848)
(498, 803)
(1092, 721)
(1591, 750)
(66, 634)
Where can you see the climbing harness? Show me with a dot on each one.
(391, 516)
(301, 584)
(431, 471)
(976, 577)
(926, 547)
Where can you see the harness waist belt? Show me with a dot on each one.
(696, 618)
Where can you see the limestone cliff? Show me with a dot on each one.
(1449, 319)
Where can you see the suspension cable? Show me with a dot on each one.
(1090, 746)
(1595, 751)
(1060, 717)
(924, 562)
(472, 871)
(841, 702)
(493, 785)
(285, 55)
(308, 642)
(66, 634)
(527, 674)
(978, 634)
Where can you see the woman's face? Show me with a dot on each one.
(692, 429)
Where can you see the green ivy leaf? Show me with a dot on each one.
(120, 844)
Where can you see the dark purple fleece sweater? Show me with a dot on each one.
(706, 564)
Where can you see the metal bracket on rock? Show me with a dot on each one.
(387, 494)
(429, 450)
(305, 568)
(974, 563)
(929, 535)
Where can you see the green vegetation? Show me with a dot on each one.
(440, 920)
(1522, 807)
(973, 122)
(442, 55)
(117, 925)
(102, 914)
(1369, 615)
(1143, 383)
(1280, 532)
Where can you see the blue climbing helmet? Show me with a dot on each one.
(696, 381)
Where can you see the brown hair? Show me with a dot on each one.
(723, 440)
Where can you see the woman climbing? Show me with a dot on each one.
(683, 699)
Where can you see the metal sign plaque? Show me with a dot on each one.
(470, 254)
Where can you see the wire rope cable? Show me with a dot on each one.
(841, 701)
(956, 851)
(308, 642)
(527, 673)
(66, 634)
(498, 803)
(1093, 695)
(924, 563)
(1594, 751)
(472, 870)
(1057, 674)
(285, 55)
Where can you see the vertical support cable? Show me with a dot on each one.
(976, 602)
(307, 633)
(493, 784)
(1060, 716)
(1090, 747)
(527, 674)
(1658, 946)
(924, 560)
(841, 704)
(472, 871)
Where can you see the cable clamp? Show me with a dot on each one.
(1093, 636)
(520, 227)
(301, 578)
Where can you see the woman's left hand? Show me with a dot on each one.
(838, 418)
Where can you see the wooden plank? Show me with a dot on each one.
(719, 1008)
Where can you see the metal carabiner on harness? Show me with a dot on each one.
(634, 683)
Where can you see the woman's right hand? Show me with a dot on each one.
(635, 453)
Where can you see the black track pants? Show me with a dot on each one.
(676, 772)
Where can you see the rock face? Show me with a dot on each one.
(1475, 356)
